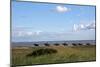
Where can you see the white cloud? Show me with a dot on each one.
(29, 33)
(75, 27)
(18, 34)
(38, 32)
(79, 27)
(25, 33)
(61, 9)
(90, 26)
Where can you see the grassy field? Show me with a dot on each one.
(64, 54)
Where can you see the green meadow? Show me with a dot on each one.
(52, 54)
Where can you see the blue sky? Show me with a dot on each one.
(52, 22)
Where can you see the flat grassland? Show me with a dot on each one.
(65, 54)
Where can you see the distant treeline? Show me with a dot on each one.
(64, 44)
(54, 43)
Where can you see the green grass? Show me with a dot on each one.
(64, 54)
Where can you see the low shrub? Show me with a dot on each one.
(40, 52)
(36, 44)
(88, 44)
(56, 44)
(46, 44)
(65, 44)
(80, 44)
(74, 44)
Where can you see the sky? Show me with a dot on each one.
(33, 21)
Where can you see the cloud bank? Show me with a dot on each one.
(78, 27)
(26, 33)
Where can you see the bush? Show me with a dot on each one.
(80, 44)
(74, 44)
(56, 44)
(88, 44)
(36, 44)
(46, 44)
(40, 52)
(65, 44)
